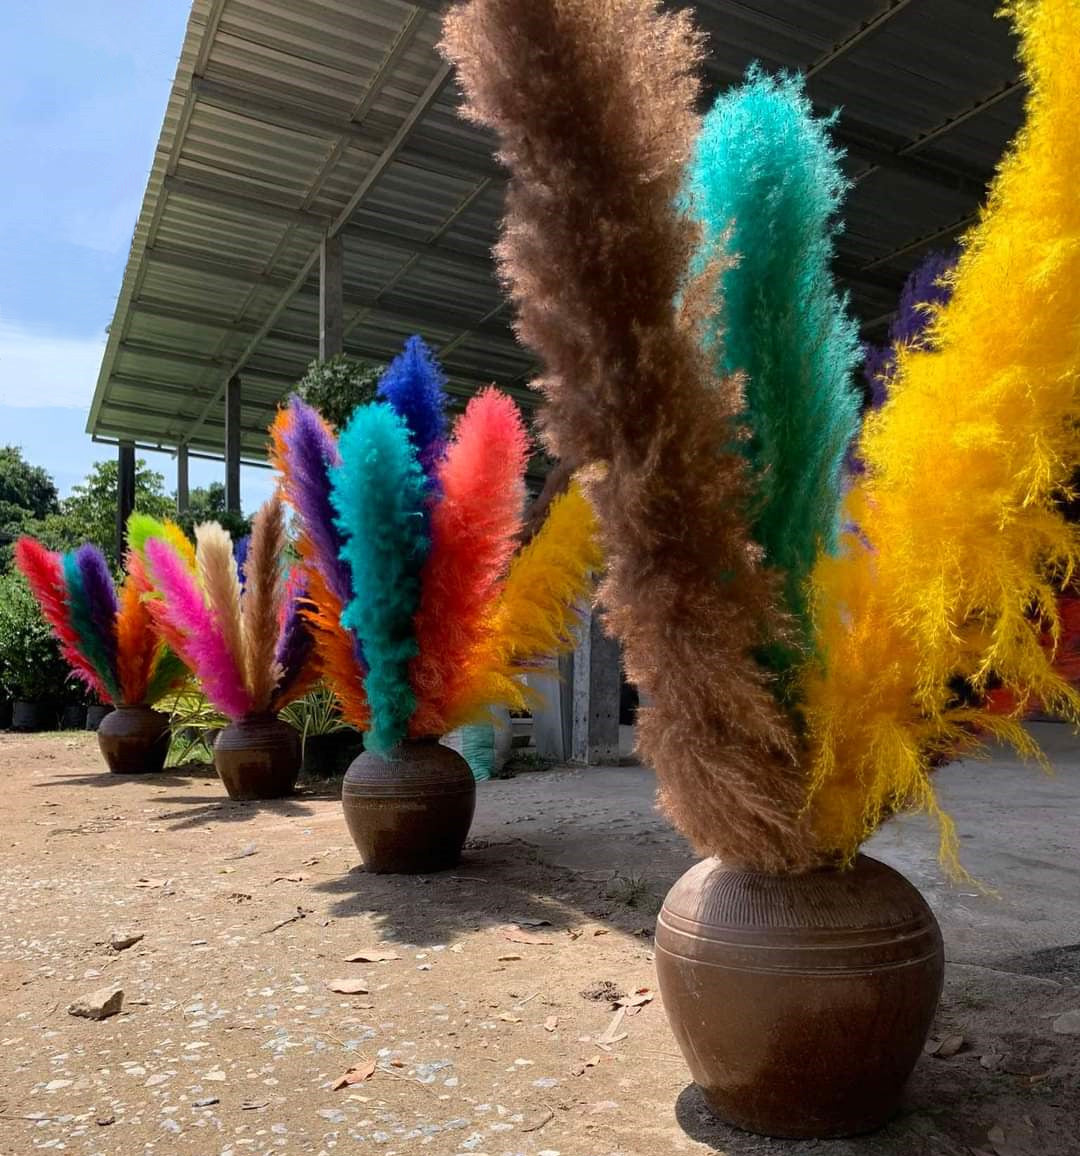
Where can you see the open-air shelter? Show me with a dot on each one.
(314, 191)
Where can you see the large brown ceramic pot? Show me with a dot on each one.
(409, 812)
(134, 739)
(258, 758)
(801, 1003)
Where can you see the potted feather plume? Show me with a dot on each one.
(240, 630)
(112, 645)
(425, 617)
(798, 632)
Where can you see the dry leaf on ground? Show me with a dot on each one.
(592, 1062)
(508, 958)
(612, 1034)
(357, 1074)
(944, 1048)
(372, 955)
(551, 1023)
(508, 1018)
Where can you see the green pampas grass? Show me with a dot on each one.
(765, 184)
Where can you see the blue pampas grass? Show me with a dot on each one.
(379, 495)
(414, 385)
(765, 169)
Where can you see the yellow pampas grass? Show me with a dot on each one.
(537, 612)
(962, 545)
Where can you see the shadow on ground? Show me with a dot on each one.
(496, 884)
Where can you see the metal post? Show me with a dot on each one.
(597, 681)
(331, 297)
(232, 445)
(125, 493)
(183, 492)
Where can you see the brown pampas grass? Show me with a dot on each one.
(264, 593)
(217, 572)
(593, 101)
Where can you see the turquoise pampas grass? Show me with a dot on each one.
(379, 495)
(765, 169)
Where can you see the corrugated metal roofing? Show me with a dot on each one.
(291, 117)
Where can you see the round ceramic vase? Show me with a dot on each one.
(801, 1003)
(409, 812)
(258, 758)
(134, 739)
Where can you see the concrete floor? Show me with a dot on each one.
(1019, 830)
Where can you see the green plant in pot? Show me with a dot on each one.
(328, 743)
(798, 646)
(31, 669)
(241, 633)
(425, 614)
(109, 640)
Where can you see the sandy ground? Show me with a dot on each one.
(479, 1039)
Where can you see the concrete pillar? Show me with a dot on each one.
(553, 717)
(183, 491)
(597, 679)
(125, 493)
(232, 445)
(331, 297)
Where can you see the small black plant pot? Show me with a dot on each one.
(73, 717)
(5, 714)
(28, 716)
(328, 756)
(95, 715)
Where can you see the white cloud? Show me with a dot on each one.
(41, 369)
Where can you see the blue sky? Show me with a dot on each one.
(83, 88)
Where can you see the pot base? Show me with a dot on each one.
(258, 758)
(801, 1003)
(134, 740)
(410, 812)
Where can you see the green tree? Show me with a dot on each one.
(27, 494)
(207, 504)
(335, 387)
(88, 514)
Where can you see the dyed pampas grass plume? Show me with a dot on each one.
(246, 646)
(966, 463)
(766, 185)
(424, 618)
(593, 104)
(108, 639)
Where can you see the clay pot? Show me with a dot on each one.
(801, 1003)
(258, 758)
(409, 812)
(134, 740)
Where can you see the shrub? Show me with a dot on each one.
(30, 664)
(335, 387)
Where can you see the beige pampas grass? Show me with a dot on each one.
(221, 584)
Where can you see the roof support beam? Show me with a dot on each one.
(232, 445)
(867, 28)
(331, 297)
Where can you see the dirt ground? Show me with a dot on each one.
(475, 1039)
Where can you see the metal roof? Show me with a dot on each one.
(288, 119)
